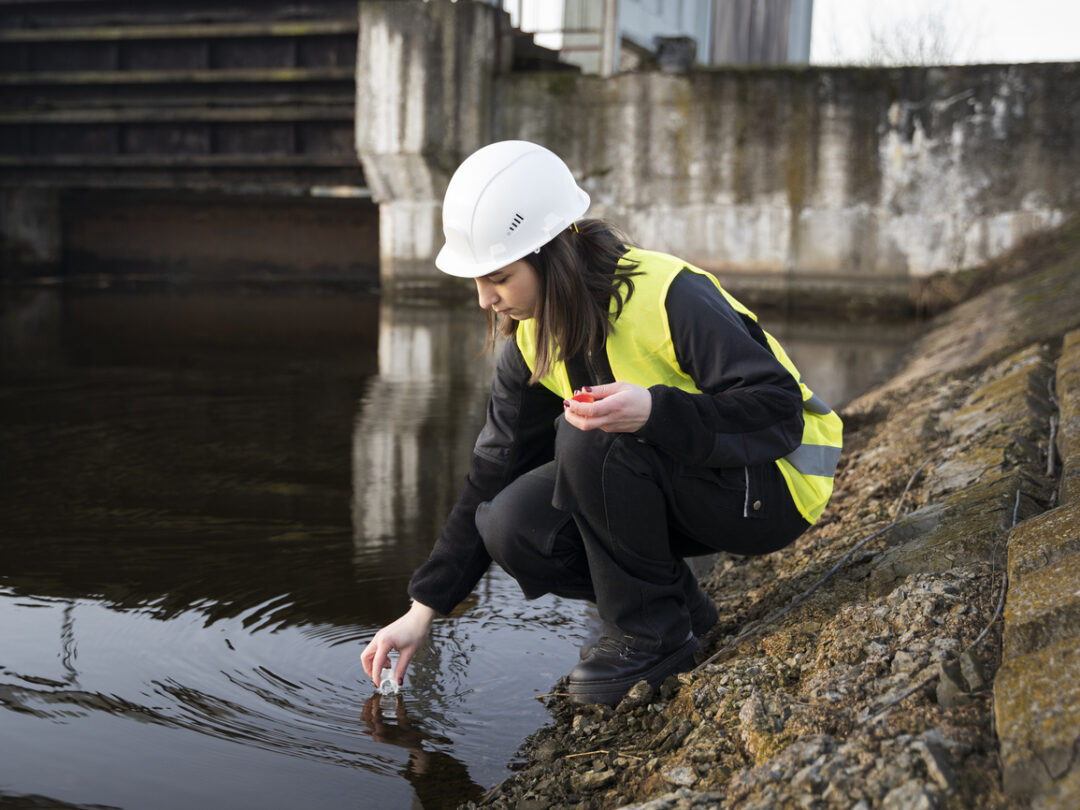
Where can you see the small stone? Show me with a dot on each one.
(638, 696)
(912, 795)
(669, 687)
(680, 776)
(547, 751)
(582, 725)
(972, 670)
(951, 688)
(937, 764)
(591, 780)
(904, 661)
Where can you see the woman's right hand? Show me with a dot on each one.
(404, 635)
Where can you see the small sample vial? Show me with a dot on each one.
(387, 684)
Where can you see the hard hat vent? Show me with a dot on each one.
(517, 220)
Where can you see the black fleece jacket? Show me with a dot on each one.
(749, 412)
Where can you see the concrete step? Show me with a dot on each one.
(1044, 541)
(1067, 385)
(1043, 607)
(231, 30)
(173, 115)
(1037, 709)
(1037, 688)
(267, 75)
(345, 160)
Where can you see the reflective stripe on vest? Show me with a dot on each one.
(641, 351)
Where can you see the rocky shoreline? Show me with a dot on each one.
(877, 688)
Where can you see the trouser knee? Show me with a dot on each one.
(586, 460)
(518, 525)
(496, 529)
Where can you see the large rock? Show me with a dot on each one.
(1037, 707)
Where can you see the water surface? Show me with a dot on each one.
(209, 503)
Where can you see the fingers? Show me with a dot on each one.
(591, 415)
(376, 657)
(605, 390)
(367, 657)
(404, 658)
(618, 408)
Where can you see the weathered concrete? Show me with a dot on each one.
(1044, 540)
(814, 179)
(1043, 607)
(1037, 692)
(424, 74)
(220, 238)
(1068, 439)
(816, 174)
(220, 99)
(1037, 702)
(1061, 795)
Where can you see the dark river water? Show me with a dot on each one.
(209, 502)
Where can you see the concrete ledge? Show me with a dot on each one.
(1002, 424)
(1042, 608)
(1044, 540)
(1037, 708)
(1069, 489)
(966, 527)
(113, 33)
(1067, 384)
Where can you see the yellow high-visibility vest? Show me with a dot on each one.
(641, 351)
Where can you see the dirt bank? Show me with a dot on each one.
(877, 689)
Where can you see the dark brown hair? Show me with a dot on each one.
(580, 271)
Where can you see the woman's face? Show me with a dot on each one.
(512, 290)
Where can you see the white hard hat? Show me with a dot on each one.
(504, 202)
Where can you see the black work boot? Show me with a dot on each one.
(703, 617)
(612, 666)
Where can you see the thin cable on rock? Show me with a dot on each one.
(930, 679)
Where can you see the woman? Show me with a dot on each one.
(694, 433)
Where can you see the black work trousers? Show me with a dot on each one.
(612, 518)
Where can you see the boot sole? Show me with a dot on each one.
(611, 690)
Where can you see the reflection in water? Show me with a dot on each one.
(433, 774)
(839, 359)
(210, 501)
(417, 423)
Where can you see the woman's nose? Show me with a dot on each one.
(485, 294)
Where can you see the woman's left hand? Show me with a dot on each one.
(619, 408)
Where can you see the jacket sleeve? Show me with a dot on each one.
(519, 434)
(750, 408)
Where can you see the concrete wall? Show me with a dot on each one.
(800, 180)
(816, 176)
(424, 74)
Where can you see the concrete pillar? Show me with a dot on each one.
(29, 228)
(424, 74)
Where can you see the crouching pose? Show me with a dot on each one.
(639, 415)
